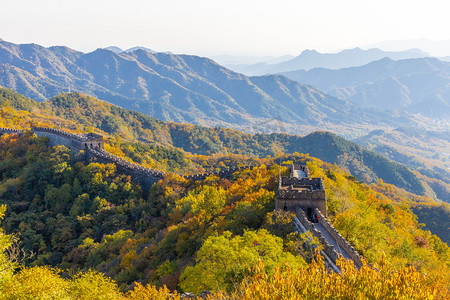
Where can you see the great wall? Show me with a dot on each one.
(298, 193)
(93, 145)
(306, 197)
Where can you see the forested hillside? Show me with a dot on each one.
(423, 150)
(81, 112)
(76, 215)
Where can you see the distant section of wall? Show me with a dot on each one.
(9, 131)
(222, 174)
(70, 140)
(93, 144)
(59, 139)
(145, 176)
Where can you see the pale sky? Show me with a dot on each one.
(210, 27)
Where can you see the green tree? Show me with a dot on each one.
(207, 198)
(224, 260)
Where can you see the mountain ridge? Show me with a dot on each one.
(311, 59)
(418, 85)
(182, 88)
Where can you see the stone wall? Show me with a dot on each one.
(145, 176)
(289, 200)
(315, 183)
(327, 248)
(341, 241)
(70, 140)
(57, 138)
(307, 192)
(222, 174)
(9, 131)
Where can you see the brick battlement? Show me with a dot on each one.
(57, 132)
(294, 194)
(10, 131)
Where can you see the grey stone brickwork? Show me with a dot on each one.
(341, 241)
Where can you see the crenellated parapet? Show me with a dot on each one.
(306, 197)
(340, 240)
(223, 174)
(306, 225)
(10, 131)
(313, 184)
(334, 245)
(100, 153)
(145, 176)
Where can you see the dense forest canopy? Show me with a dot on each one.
(66, 215)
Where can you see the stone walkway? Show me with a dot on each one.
(331, 240)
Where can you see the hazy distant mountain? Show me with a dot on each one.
(226, 60)
(181, 88)
(114, 49)
(119, 50)
(139, 48)
(310, 59)
(420, 85)
(417, 148)
(434, 48)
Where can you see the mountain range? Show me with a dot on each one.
(310, 59)
(183, 88)
(419, 86)
(79, 111)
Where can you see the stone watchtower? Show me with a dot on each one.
(300, 190)
(91, 140)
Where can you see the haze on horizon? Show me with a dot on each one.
(233, 27)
